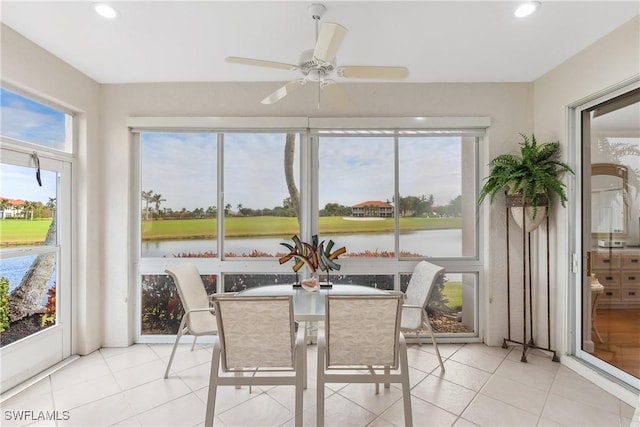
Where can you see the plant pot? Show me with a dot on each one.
(531, 222)
(515, 203)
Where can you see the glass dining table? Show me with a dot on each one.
(309, 306)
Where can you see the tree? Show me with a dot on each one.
(146, 196)
(28, 210)
(51, 205)
(227, 208)
(456, 206)
(26, 299)
(335, 209)
(157, 200)
(4, 205)
(289, 157)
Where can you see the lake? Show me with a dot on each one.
(431, 243)
(13, 269)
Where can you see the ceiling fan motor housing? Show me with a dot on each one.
(313, 68)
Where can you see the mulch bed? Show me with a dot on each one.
(443, 324)
(20, 329)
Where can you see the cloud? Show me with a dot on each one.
(19, 182)
(182, 167)
(29, 121)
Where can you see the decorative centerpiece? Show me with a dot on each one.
(314, 256)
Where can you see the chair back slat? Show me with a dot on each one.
(256, 332)
(362, 330)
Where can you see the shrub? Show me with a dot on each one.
(4, 304)
(161, 307)
(49, 316)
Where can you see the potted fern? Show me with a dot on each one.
(530, 179)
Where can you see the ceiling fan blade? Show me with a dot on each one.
(337, 95)
(260, 63)
(329, 41)
(372, 72)
(283, 91)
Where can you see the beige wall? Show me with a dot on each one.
(510, 107)
(31, 68)
(613, 59)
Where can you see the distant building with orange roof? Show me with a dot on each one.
(11, 208)
(372, 208)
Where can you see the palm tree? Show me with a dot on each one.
(157, 200)
(51, 205)
(4, 205)
(289, 156)
(146, 196)
(26, 299)
(28, 209)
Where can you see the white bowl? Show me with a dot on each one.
(310, 285)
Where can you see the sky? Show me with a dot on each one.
(29, 121)
(182, 167)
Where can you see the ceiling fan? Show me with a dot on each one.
(319, 64)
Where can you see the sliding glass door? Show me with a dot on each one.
(609, 298)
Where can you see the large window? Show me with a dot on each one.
(231, 200)
(356, 193)
(261, 192)
(359, 206)
(178, 196)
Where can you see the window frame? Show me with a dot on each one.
(56, 339)
(309, 129)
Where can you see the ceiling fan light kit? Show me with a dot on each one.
(318, 65)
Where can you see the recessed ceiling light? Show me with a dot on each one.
(526, 9)
(105, 10)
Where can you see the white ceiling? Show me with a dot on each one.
(439, 41)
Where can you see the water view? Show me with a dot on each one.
(436, 243)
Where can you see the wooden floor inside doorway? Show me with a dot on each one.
(620, 331)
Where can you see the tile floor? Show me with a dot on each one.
(484, 386)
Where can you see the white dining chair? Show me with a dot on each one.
(257, 345)
(414, 311)
(198, 318)
(361, 337)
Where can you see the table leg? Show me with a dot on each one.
(593, 317)
(304, 356)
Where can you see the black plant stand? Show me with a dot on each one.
(516, 201)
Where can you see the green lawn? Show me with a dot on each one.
(279, 226)
(453, 292)
(13, 231)
(22, 230)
